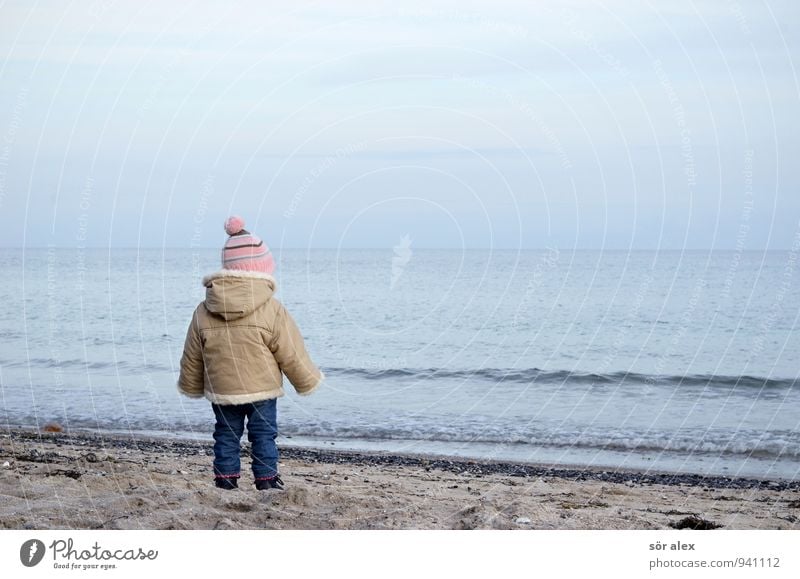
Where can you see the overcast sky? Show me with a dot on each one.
(608, 124)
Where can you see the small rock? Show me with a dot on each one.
(695, 523)
(522, 521)
(6, 464)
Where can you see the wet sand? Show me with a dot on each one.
(88, 481)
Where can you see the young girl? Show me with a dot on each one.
(240, 342)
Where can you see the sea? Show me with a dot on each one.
(667, 361)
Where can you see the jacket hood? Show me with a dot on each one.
(233, 294)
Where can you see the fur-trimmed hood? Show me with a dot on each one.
(233, 294)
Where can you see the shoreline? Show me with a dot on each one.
(82, 480)
(443, 462)
(454, 464)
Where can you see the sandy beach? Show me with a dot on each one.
(87, 481)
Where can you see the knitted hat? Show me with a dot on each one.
(244, 250)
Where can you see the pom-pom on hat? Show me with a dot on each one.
(234, 224)
(245, 251)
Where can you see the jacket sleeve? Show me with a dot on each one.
(190, 381)
(290, 352)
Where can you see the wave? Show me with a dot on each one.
(536, 375)
(79, 363)
(756, 444)
(493, 375)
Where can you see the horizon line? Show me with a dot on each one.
(389, 248)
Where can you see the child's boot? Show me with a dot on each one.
(264, 484)
(227, 483)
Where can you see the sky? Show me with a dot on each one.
(485, 124)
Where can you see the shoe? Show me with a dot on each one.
(265, 484)
(226, 483)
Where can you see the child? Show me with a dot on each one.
(239, 343)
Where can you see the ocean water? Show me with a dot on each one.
(670, 361)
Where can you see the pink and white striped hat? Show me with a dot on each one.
(245, 251)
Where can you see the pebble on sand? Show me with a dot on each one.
(522, 521)
(694, 522)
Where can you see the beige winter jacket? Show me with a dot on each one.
(240, 342)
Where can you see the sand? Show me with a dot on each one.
(85, 481)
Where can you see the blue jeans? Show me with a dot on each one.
(262, 429)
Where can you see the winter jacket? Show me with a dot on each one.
(241, 340)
